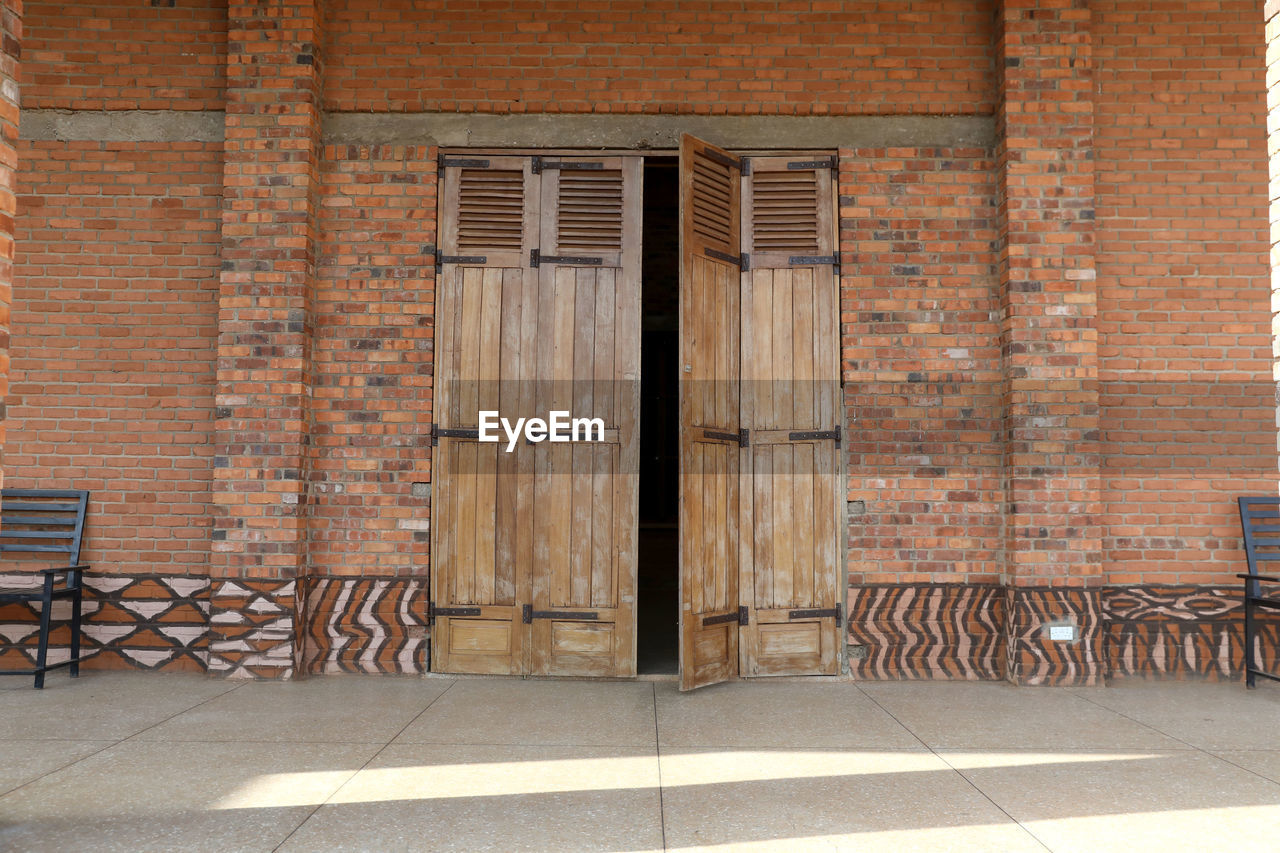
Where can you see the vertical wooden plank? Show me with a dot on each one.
(781, 369)
(465, 555)
(763, 526)
(804, 552)
(469, 333)
(801, 378)
(584, 348)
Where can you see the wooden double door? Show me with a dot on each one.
(538, 309)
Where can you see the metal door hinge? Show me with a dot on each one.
(743, 615)
(741, 261)
(742, 436)
(740, 617)
(438, 432)
(816, 435)
(537, 259)
(725, 160)
(816, 613)
(813, 260)
(805, 165)
(462, 259)
(433, 611)
(461, 163)
(539, 164)
(528, 614)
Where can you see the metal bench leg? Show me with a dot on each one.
(1248, 640)
(46, 614)
(75, 633)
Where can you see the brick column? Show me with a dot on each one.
(269, 238)
(10, 50)
(1049, 345)
(1272, 15)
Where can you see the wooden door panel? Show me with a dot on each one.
(711, 455)
(486, 310)
(586, 494)
(791, 373)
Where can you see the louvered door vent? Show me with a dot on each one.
(490, 210)
(784, 212)
(711, 202)
(590, 211)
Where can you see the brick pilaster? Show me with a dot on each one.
(10, 51)
(1272, 16)
(1049, 344)
(269, 240)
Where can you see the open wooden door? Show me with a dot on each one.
(711, 452)
(791, 569)
(486, 310)
(582, 611)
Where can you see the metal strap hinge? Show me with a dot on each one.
(805, 165)
(540, 164)
(816, 435)
(742, 261)
(740, 617)
(463, 259)
(536, 259)
(814, 260)
(732, 162)
(742, 436)
(433, 611)
(816, 613)
(528, 614)
(462, 163)
(438, 432)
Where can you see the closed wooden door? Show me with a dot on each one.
(586, 495)
(537, 311)
(711, 455)
(792, 410)
(486, 332)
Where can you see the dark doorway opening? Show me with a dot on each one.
(658, 602)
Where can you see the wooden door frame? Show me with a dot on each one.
(842, 575)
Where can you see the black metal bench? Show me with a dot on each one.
(45, 522)
(1260, 521)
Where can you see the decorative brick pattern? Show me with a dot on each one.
(369, 625)
(915, 631)
(153, 622)
(1182, 632)
(1035, 659)
(253, 628)
(125, 54)
(372, 357)
(630, 56)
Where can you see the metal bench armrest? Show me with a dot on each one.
(1263, 578)
(57, 569)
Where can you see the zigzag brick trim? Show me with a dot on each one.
(153, 622)
(369, 625)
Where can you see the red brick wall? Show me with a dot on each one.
(1188, 410)
(921, 364)
(795, 57)
(125, 54)
(371, 420)
(114, 342)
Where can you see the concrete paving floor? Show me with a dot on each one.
(132, 761)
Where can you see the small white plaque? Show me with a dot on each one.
(1066, 633)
